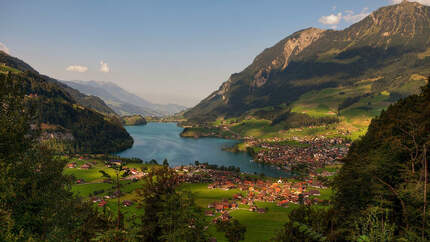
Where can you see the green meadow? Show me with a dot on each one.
(260, 227)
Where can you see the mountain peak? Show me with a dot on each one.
(392, 38)
(406, 2)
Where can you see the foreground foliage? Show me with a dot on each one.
(381, 192)
(35, 199)
(36, 202)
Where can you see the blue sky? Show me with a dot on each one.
(176, 51)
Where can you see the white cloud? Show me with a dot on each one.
(77, 68)
(104, 67)
(4, 48)
(348, 16)
(331, 19)
(425, 2)
(351, 17)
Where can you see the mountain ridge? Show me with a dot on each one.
(92, 102)
(123, 101)
(388, 41)
(65, 124)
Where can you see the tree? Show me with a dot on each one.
(153, 162)
(387, 170)
(374, 225)
(168, 215)
(35, 198)
(234, 231)
(308, 224)
(165, 162)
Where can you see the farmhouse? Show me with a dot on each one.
(86, 166)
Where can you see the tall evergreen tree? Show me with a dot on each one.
(35, 197)
(168, 215)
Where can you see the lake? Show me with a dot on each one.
(162, 140)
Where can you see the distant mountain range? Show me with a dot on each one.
(355, 72)
(122, 101)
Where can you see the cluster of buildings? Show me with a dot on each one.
(101, 202)
(84, 166)
(317, 152)
(283, 192)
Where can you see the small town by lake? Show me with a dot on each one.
(161, 141)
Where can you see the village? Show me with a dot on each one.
(251, 189)
(316, 152)
(283, 192)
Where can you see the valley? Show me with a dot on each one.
(324, 136)
(251, 199)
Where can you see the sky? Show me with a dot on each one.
(166, 51)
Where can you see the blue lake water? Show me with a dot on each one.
(161, 140)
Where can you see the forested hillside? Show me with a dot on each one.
(381, 192)
(92, 102)
(65, 124)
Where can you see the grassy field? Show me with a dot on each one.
(6, 69)
(93, 179)
(260, 227)
(204, 196)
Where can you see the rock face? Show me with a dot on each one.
(389, 45)
(288, 48)
(275, 58)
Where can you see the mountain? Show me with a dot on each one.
(122, 101)
(91, 102)
(65, 123)
(353, 73)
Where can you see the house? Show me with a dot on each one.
(225, 216)
(134, 171)
(127, 203)
(283, 203)
(315, 193)
(261, 210)
(95, 199)
(71, 165)
(86, 166)
(219, 207)
(102, 203)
